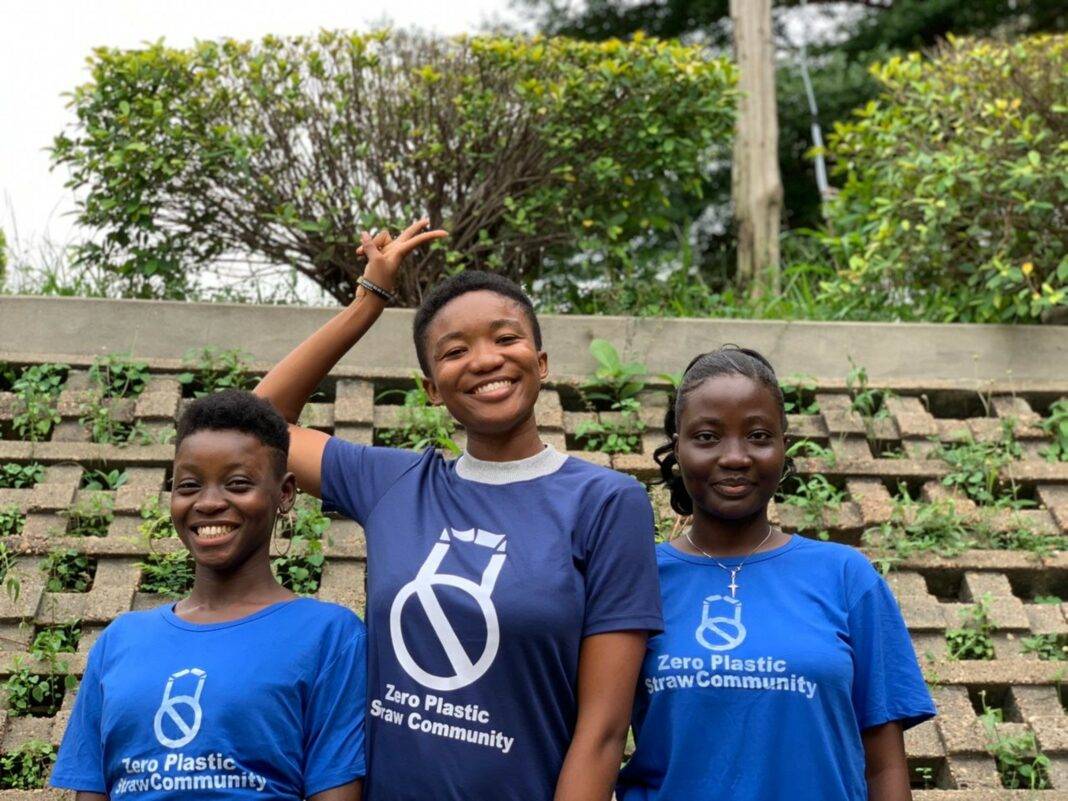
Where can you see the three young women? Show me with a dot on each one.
(785, 670)
(242, 690)
(510, 592)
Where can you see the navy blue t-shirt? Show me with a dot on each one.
(763, 696)
(483, 578)
(269, 706)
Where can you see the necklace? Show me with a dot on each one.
(734, 571)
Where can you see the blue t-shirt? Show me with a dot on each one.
(763, 697)
(482, 580)
(270, 706)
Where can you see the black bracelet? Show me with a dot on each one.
(371, 286)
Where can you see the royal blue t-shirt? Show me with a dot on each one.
(270, 706)
(763, 697)
(482, 580)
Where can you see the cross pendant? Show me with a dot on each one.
(733, 585)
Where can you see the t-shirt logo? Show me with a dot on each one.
(175, 729)
(464, 669)
(721, 632)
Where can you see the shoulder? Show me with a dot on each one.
(593, 479)
(347, 452)
(130, 627)
(852, 568)
(328, 619)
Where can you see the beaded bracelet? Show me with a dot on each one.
(371, 286)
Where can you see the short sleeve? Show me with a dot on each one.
(353, 478)
(622, 587)
(80, 764)
(334, 723)
(887, 683)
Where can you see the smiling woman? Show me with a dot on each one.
(267, 690)
(510, 592)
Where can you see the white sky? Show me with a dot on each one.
(44, 44)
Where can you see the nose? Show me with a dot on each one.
(734, 454)
(485, 358)
(209, 501)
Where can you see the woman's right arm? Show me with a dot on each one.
(292, 381)
(81, 795)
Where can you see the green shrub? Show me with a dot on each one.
(156, 523)
(20, 476)
(419, 424)
(118, 376)
(972, 640)
(89, 516)
(528, 149)
(11, 521)
(68, 571)
(27, 767)
(954, 197)
(38, 387)
(168, 574)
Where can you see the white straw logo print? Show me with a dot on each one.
(464, 670)
(720, 632)
(169, 721)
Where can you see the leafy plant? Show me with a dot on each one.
(90, 515)
(1048, 647)
(920, 527)
(104, 480)
(68, 571)
(307, 521)
(504, 138)
(932, 173)
(12, 585)
(972, 640)
(419, 425)
(614, 381)
(98, 415)
(614, 435)
(20, 476)
(1020, 764)
(301, 572)
(216, 369)
(810, 449)
(37, 389)
(36, 694)
(812, 496)
(27, 767)
(975, 468)
(867, 402)
(1056, 426)
(1048, 599)
(118, 376)
(57, 639)
(11, 521)
(156, 523)
(169, 574)
(797, 390)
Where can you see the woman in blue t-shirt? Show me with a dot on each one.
(510, 591)
(242, 690)
(785, 672)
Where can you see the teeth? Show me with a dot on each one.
(213, 532)
(492, 386)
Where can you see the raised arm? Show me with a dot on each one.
(292, 381)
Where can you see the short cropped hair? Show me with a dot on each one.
(460, 284)
(238, 410)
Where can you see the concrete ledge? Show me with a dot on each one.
(951, 355)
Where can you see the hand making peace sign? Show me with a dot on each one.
(385, 254)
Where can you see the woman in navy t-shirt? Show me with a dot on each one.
(242, 690)
(510, 591)
(785, 672)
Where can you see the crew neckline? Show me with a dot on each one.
(545, 463)
(167, 610)
(794, 541)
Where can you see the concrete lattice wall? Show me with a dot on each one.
(947, 381)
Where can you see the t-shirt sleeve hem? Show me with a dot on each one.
(77, 783)
(328, 781)
(650, 623)
(906, 717)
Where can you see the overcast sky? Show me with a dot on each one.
(44, 44)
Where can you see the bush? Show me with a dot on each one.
(528, 149)
(954, 203)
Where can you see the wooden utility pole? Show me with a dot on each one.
(756, 185)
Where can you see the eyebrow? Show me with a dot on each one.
(496, 325)
(755, 417)
(192, 466)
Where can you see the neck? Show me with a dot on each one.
(732, 537)
(251, 585)
(519, 442)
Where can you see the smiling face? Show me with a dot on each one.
(484, 365)
(225, 495)
(730, 447)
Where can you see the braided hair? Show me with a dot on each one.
(727, 360)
